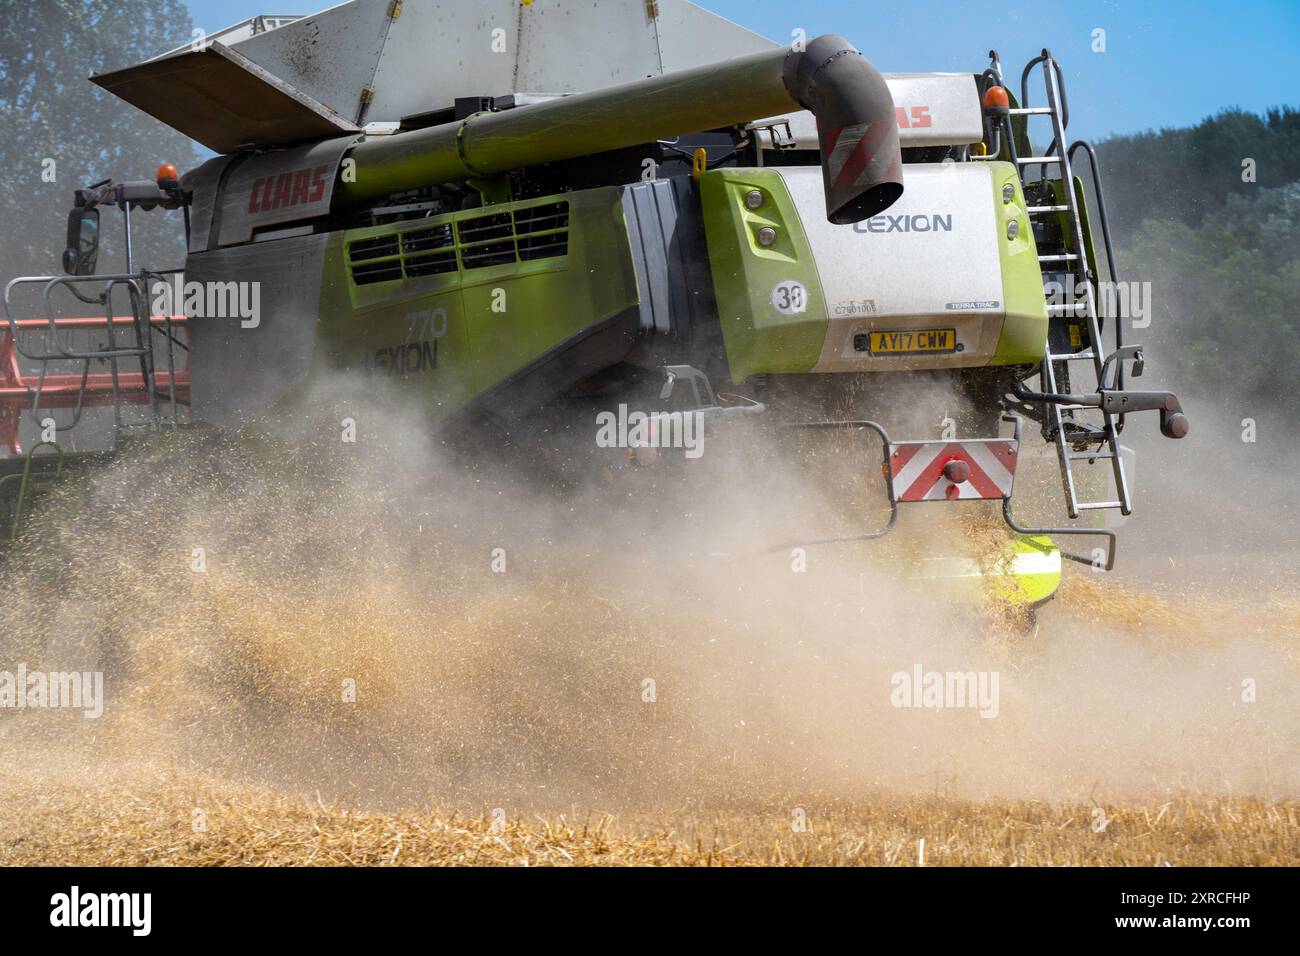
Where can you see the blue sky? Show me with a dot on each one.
(1167, 63)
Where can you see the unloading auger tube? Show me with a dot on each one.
(857, 126)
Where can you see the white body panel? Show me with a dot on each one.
(357, 64)
(934, 109)
(931, 261)
(437, 50)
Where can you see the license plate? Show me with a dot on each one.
(912, 341)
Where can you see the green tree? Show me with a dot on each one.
(56, 125)
(1225, 295)
(1187, 174)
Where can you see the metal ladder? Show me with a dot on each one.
(1073, 434)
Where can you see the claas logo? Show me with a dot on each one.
(918, 118)
(295, 188)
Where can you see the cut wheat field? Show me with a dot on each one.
(204, 823)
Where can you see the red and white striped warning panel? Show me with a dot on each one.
(951, 470)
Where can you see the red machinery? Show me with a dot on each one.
(42, 390)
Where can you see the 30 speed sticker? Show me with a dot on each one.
(790, 297)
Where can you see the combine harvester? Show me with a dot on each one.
(500, 209)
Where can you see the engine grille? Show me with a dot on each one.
(477, 242)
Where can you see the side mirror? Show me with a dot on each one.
(81, 251)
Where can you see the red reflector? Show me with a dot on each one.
(956, 471)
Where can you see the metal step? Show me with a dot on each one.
(1061, 257)
(1090, 455)
(1081, 434)
(1043, 210)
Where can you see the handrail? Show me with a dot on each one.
(144, 348)
(24, 479)
(1046, 56)
(1094, 168)
(50, 282)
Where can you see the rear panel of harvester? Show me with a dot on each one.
(940, 281)
(453, 305)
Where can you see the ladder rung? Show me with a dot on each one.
(1083, 433)
(1037, 160)
(1069, 356)
(1063, 257)
(1098, 505)
(1041, 210)
(1079, 310)
(1031, 111)
(1090, 454)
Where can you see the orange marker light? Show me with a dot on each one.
(168, 177)
(996, 99)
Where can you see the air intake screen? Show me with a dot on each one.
(492, 239)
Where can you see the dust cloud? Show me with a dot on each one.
(392, 625)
